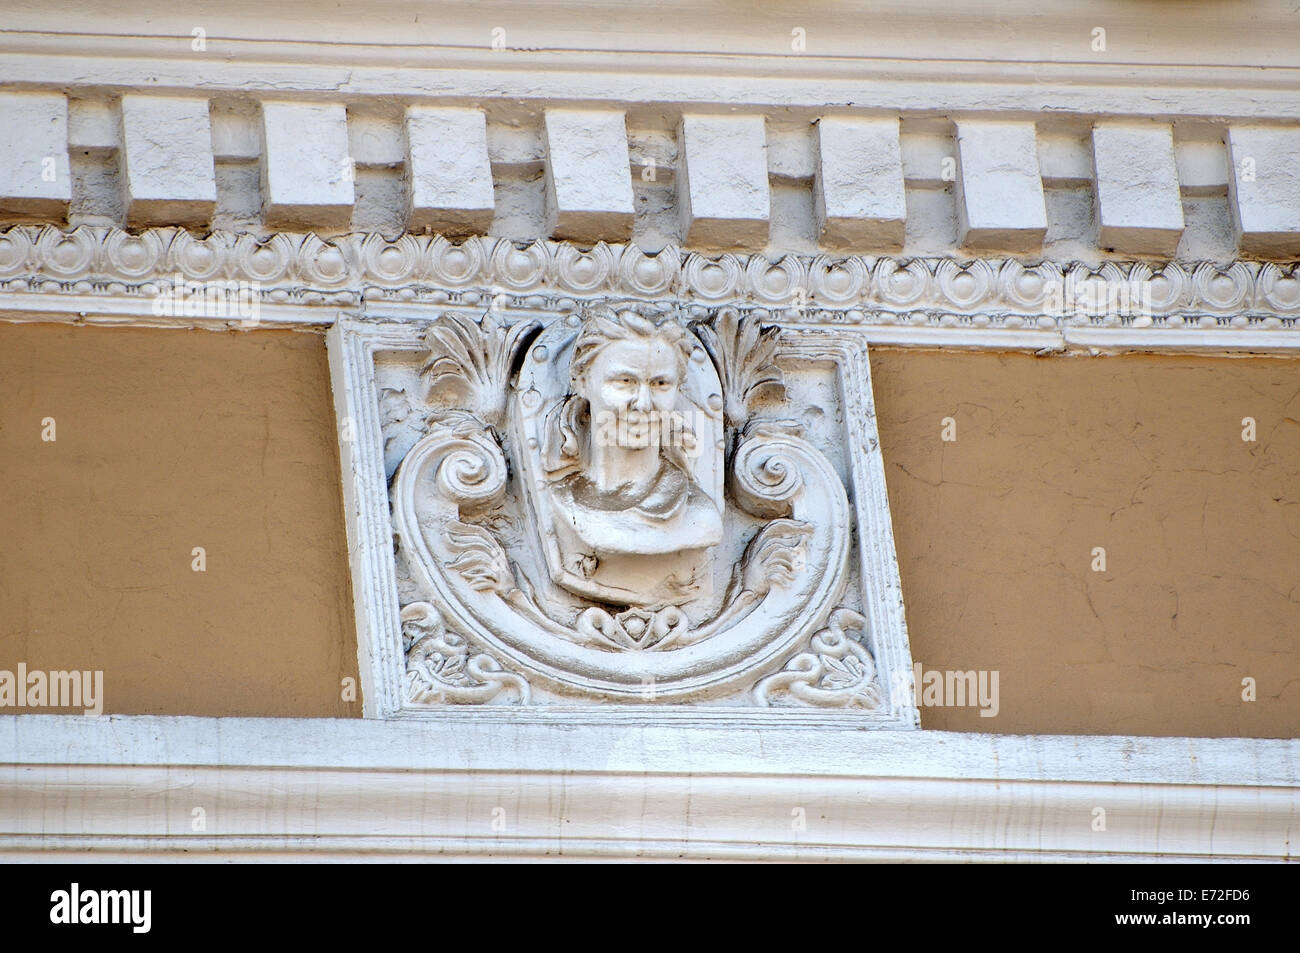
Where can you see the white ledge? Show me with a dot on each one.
(559, 786)
(1260, 84)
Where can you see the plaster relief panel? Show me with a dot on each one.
(623, 503)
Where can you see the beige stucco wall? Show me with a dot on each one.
(1140, 455)
(169, 440)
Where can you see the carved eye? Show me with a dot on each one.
(662, 383)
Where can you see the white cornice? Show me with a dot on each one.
(756, 83)
(272, 789)
(1192, 32)
(1200, 58)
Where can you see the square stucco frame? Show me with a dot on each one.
(353, 345)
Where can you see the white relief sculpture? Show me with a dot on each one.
(439, 667)
(837, 671)
(475, 359)
(746, 354)
(633, 499)
(572, 495)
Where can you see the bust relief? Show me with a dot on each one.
(631, 521)
(570, 513)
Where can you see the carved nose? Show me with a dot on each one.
(642, 401)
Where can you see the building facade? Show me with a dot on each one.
(513, 430)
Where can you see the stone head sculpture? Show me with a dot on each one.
(630, 515)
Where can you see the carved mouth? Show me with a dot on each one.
(635, 428)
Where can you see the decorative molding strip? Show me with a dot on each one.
(284, 788)
(992, 293)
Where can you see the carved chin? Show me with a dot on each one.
(636, 436)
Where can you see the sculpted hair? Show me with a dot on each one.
(603, 327)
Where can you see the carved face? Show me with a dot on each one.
(633, 384)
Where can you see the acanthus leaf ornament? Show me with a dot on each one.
(744, 352)
(473, 358)
(479, 558)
